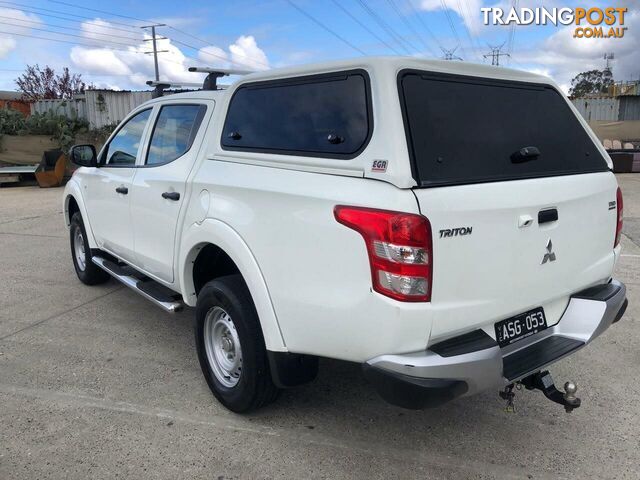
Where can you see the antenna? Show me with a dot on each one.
(607, 58)
(210, 82)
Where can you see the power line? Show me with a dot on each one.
(409, 26)
(214, 55)
(319, 23)
(355, 19)
(99, 11)
(512, 32)
(255, 60)
(67, 35)
(447, 13)
(386, 27)
(69, 41)
(464, 14)
(60, 26)
(30, 9)
(423, 23)
(79, 73)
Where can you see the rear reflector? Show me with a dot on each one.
(619, 206)
(399, 248)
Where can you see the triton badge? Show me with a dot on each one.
(549, 256)
(454, 232)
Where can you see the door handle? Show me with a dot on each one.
(122, 190)
(175, 196)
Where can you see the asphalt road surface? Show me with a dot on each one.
(97, 383)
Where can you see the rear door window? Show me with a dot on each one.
(468, 130)
(174, 132)
(322, 115)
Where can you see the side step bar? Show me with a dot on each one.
(163, 297)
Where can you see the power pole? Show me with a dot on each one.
(155, 46)
(449, 54)
(496, 54)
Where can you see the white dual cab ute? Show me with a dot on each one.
(450, 227)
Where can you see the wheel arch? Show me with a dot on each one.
(213, 239)
(73, 202)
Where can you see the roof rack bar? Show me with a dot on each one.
(160, 87)
(210, 82)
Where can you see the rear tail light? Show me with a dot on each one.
(399, 247)
(619, 206)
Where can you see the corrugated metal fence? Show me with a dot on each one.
(105, 107)
(610, 109)
(70, 108)
(99, 107)
(629, 108)
(601, 108)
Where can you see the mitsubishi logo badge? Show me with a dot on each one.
(549, 256)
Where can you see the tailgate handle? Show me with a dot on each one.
(546, 216)
(525, 154)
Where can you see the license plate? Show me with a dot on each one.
(521, 326)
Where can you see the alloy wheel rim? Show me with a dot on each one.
(222, 345)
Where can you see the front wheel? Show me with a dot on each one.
(88, 272)
(231, 347)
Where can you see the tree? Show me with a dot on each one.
(38, 84)
(591, 82)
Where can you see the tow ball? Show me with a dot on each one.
(543, 381)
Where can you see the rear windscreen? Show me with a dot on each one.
(468, 130)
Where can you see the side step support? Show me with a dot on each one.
(149, 289)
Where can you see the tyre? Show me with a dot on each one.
(88, 272)
(231, 347)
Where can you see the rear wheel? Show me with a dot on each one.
(230, 346)
(88, 272)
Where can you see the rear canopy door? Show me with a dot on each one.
(465, 130)
(489, 237)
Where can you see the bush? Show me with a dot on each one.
(12, 122)
(63, 130)
(98, 136)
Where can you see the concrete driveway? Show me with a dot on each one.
(97, 383)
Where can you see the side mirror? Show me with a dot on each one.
(84, 155)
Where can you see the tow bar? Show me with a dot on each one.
(543, 381)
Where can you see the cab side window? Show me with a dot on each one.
(123, 148)
(326, 115)
(174, 132)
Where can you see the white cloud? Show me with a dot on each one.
(6, 45)
(214, 57)
(99, 60)
(563, 56)
(101, 31)
(467, 10)
(173, 64)
(16, 22)
(245, 51)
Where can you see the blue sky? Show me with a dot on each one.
(107, 49)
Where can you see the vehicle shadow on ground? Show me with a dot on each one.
(340, 407)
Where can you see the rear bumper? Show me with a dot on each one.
(476, 363)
